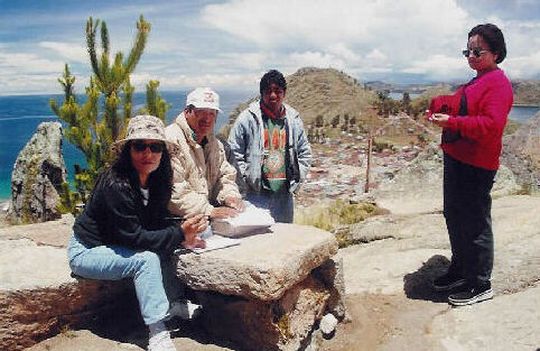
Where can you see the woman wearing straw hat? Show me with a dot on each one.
(123, 231)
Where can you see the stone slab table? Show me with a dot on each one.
(269, 292)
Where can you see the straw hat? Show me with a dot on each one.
(145, 127)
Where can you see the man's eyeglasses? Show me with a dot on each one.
(477, 52)
(154, 147)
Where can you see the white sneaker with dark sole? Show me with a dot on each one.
(470, 297)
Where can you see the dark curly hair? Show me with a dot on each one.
(493, 36)
(272, 76)
(159, 182)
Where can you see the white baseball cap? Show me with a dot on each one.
(203, 98)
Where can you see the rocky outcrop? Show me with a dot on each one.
(38, 173)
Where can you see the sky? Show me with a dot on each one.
(230, 44)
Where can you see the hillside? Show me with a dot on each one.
(521, 151)
(327, 92)
(526, 92)
(323, 92)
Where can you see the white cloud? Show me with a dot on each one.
(181, 81)
(68, 51)
(313, 59)
(376, 55)
(233, 42)
(523, 66)
(12, 63)
(346, 34)
(324, 23)
(438, 67)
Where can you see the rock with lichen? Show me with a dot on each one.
(37, 176)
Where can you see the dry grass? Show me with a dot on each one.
(336, 216)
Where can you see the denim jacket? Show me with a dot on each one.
(246, 142)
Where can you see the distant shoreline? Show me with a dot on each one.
(526, 105)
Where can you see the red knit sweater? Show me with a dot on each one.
(489, 99)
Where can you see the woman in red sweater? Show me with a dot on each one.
(473, 121)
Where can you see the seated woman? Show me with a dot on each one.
(124, 232)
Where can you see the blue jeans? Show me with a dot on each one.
(280, 204)
(117, 262)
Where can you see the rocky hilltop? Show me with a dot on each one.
(328, 93)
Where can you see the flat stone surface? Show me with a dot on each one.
(263, 266)
(418, 246)
(496, 325)
(52, 233)
(369, 271)
(25, 265)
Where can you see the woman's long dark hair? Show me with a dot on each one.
(159, 182)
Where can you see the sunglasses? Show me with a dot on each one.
(154, 147)
(477, 52)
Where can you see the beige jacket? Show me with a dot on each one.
(202, 176)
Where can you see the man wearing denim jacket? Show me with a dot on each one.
(271, 148)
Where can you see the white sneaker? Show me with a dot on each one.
(184, 310)
(160, 338)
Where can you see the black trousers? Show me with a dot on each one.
(467, 210)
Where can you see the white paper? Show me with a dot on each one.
(216, 242)
(252, 219)
(213, 242)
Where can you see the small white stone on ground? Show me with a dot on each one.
(328, 324)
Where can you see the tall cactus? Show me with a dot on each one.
(93, 128)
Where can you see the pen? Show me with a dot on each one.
(180, 219)
(175, 218)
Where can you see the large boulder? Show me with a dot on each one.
(38, 174)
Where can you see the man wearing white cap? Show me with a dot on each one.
(204, 182)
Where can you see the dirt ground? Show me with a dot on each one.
(385, 322)
(378, 322)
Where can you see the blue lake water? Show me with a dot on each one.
(523, 113)
(20, 116)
